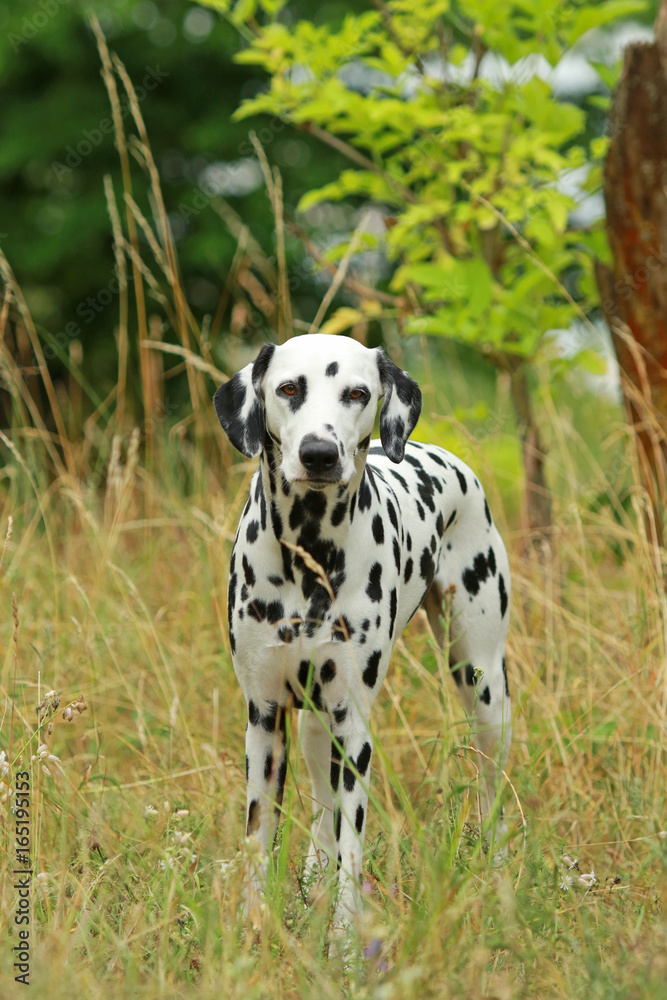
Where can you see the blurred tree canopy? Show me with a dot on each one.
(426, 134)
(57, 145)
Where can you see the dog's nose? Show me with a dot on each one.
(318, 455)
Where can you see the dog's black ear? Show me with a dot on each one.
(401, 408)
(240, 407)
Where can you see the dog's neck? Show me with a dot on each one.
(297, 511)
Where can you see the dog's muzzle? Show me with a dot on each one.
(320, 459)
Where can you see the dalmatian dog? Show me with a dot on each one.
(340, 542)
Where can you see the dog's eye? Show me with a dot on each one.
(288, 388)
(356, 393)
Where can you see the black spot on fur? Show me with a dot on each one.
(280, 781)
(328, 671)
(296, 701)
(341, 630)
(400, 479)
(274, 720)
(268, 765)
(491, 562)
(276, 521)
(427, 567)
(470, 674)
(364, 759)
(391, 510)
(462, 479)
(436, 458)
(248, 572)
(507, 687)
(338, 513)
(296, 401)
(296, 514)
(374, 588)
(253, 817)
(315, 504)
(365, 497)
(336, 756)
(338, 815)
(302, 676)
(276, 581)
(378, 529)
(252, 532)
(487, 512)
(397, 555)
(393, 604)
(349, 778)
(332, 369)
(503, 595)
(440, 525)
(407, 572)
(340, 715)
(485, 696)
(274, 612)
(370, 674)
(420, 511)
(253, 713)
(480, 567)
(359, 819)
(257, 610)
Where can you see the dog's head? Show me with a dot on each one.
(316, 397)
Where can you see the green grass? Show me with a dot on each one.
(137, 831)
(113, 581)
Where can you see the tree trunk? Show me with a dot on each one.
(634, 290)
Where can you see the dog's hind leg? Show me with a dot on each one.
(477, 661)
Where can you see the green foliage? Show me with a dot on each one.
(466, 163)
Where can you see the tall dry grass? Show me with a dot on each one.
(113, 580)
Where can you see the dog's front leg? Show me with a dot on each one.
(351, 750)
(266, 767)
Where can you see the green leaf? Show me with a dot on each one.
(588, 16)
(341, 320)
(590, 361)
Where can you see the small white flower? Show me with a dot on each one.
(4, 765)
(588, 879)
(150, 811)
(46, 771)
(42, 877)
(42, 749)
(566, 882)
(181, 838)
